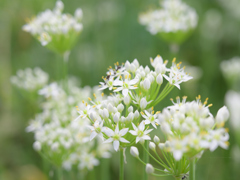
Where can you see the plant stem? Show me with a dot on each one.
(60, 174)
(145, 159)
(104, 167)
(121, 168)
(65, 71)
(192, 170)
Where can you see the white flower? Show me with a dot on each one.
(97, 129)
(108, 83)
(141, 134)
(150, 118)
(116, 136)
(125, 85)
(218, 137)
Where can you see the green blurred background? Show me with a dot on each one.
(111, 33)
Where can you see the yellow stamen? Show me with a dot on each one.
(94, 95)
(83, 101)
(89, 99)
(174, 59)
(102, 94)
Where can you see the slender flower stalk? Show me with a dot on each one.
(121, 169)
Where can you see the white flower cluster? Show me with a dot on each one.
(232, 7)
(174, 16)
(190, 128)
(230, 69)
(117, 119)
(30, 79)
(232, 100)
(58, 137)
(56, 27)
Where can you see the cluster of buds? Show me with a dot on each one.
(189, 128)
(56, 30)
(174, 17)
(124, 117)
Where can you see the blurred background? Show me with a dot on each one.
(112, 33)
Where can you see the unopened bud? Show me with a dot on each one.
(159, 79)
(134, 151)
(149, 168)
(156, 139)
(152, 146)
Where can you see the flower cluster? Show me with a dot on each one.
(123, 117)
(58, 137)
(232, 100)
(190, 128)
(30, 79)
(174, 16)
(230, 69)
(54, 29)
(231, 7)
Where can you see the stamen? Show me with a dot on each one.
(89, 99)
(83, 101)
(102, 94)
(174, 59)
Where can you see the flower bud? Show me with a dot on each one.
(92, 116)
(127, 66)
(159, 79)
(146, 84)
(147, 69)
(120, 107)
(110, 107)
(134, 151)
(156, 139)
(130, 109)
(127, 100)
(222, 115)
(149, 169)
(116, 117)
(78, 14)
(130, 116)
(136, 63)
(152, 146)
(37, 146)
(161, 145)
(132, 68)
(105, 113)
(136, 114)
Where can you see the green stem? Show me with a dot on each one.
(145, 159)
(105, 174)
(192, 170)
(60, 173)
(65, 71)
(121, 168)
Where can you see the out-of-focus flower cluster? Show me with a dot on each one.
(54, 29)
(232, 100)
(124, 116)
(231, 6)
(190, 128)
(58, 137)
(174, 16)
(230, 69)
(30, 79)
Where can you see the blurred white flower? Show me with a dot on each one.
(30, 79)
(174, 16)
